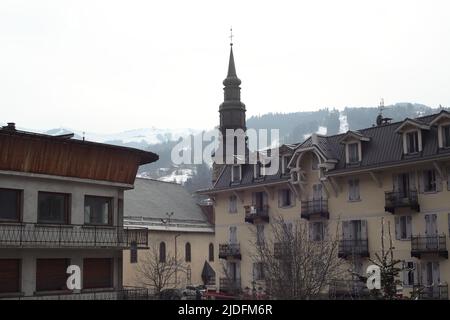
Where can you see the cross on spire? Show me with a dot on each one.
(231, 36)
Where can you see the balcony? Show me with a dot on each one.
(348, 289)
(436, 245)
(353, 247)
(395, 199)
(229, 251)
(281, 250)
(432, 292)
(255, 214)
(315, 207)
(230, 285)
(32, 235)
(127, 293)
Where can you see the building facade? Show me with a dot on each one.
(61, 204)
(392, 173)
(177, 228)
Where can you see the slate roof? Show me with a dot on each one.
(150, 199)
(385, 147)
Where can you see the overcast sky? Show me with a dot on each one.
(108, 66)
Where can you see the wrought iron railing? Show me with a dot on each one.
(432, 292)
(229, 250)
(69, 236)
(230, 285)
(358, 247)
(253, 212)
(429, 244)
(127, 293)
(399, 199)
(313, 207)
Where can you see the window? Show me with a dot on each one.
(429, 181)
(353, 190)
(314, 162)
(412, 142)
(133, 252)
(353, 152)
(187, 253)
(285, 162)
(285, 198)
(232, 205)
(10, 203)
(51, 274)
(9, 275)
(97, 210)
(98, 273)
(162, 252)
(259, 234)
(211, 252)
(236, 174)
(53, 207)
(317, 231)
(403, 227)
(258, 271)
(446, 136)
(409, 273)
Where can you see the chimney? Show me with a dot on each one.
(11, 126)
(314, 139)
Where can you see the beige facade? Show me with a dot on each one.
(418, 218)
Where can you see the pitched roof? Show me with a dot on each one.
(384, 147)
(149, 201)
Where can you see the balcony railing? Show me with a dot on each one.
(229, 250)
(315, 207)
(33, 235)
(256, 214)
(230, 285)
(432, 292)
(127, 293)
(348, 289)
(429, 245)
(353, 247)
(399, 199)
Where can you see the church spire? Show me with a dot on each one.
(231, 78)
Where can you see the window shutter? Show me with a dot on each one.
(325, 230)
(427, 223)
(51, 274)
(412, 181)
(363, 229)
(358, 195)
(397, 228)
(311, 231)
(421, 181)
(395, 182)
(346, 230)
(408, 226)
(280, 198)
(438, 182)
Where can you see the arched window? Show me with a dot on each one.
(211, 252)
(162, 252)
(187, 254)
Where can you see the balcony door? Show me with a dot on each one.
(259, 200)
(233, 271)
(431, 231)
(430, 277)
(404, 183)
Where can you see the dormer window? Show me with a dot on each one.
(353, 152)
(446, 136)
(259, 170)
(236, 174)
(412, 142)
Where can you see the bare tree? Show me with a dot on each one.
(296, 266)
(153, 273)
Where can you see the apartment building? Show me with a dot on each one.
(178, 228)
(393, 172)
(61, 204)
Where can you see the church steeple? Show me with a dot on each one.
(232, 110)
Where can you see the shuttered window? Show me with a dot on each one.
(9, 275)
(10, 204)
(97, 273)
(51, 274)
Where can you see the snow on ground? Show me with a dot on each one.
(343, 123)
(178, 176)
